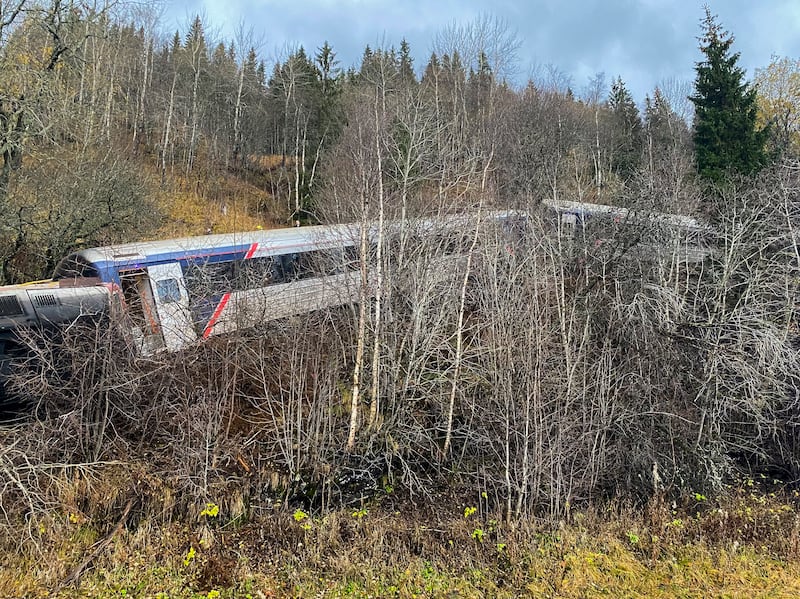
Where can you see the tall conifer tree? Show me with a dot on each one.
(626, 130)
(725, 133)
(407, 76)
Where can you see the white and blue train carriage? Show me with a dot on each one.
(676, 235)
(177, 291)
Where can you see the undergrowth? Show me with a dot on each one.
(96, 544)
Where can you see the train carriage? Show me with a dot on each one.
(178, 291)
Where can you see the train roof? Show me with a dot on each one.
(283, 239)
(107, 260)
(586, 208)
(204, 244)
(259, 243)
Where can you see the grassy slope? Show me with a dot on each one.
(745, 547)
(218, 200)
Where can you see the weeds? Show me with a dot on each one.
(743, 543)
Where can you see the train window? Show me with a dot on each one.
(351, 258)
(221, 275)
(340, 260)
(206, 279)
(209, 279)
(332, 262)
(310, 264)
(75, 266)
(168, 291)
(319, 263)
(258, 272)
(196, 281)
(289, 267)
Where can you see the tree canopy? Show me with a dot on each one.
(779, 103)
(726, 136)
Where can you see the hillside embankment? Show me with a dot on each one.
(113, 537)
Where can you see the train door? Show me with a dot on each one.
(172, 305)
(141, 311)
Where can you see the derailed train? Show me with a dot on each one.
(177, 292)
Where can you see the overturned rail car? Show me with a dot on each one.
(176, 292)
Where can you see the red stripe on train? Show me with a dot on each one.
(223, 302)
(216, 315)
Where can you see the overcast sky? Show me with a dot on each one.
(646, 42)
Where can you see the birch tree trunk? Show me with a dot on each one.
(363, 298)
(166, 139)
(460, 325)
(376, 344)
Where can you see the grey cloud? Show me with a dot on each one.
(643, 41)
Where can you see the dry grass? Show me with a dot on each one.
(212, 200)
(220, 203)
(746, 546)
(265, 163)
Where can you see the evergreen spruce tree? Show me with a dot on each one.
(432, 70)
(328, 66)
(664, 128)
(626, 130)
(725, 133)
(331, 81)
(479, 85)
(407, 76)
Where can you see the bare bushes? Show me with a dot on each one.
(747, 330)
(66, 203)
(622, 359)
(609, 365)
(242, 421)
